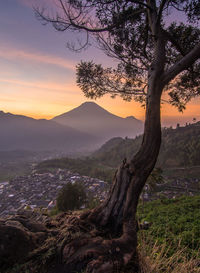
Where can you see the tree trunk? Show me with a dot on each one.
(118, 212)
(105, 239)
(121, 204)
(117, 215)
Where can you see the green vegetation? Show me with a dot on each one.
(10, 170)
(18, 163)
(113, 152)
(71, 197)
(180, 147)
(87, 166)
(174, 223)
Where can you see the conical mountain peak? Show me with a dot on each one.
(90, 117)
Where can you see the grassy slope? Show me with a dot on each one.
(174, 223)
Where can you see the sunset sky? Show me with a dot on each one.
(37, 76)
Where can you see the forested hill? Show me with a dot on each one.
(180, 147)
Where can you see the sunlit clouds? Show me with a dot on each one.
(38, 76)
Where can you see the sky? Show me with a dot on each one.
(37, 70)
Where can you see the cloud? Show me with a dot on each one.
(51, 86)
(11, 53)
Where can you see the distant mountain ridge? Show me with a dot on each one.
(91, 118)
(84, 128)
(24, 133)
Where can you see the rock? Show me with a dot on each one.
(145, 225)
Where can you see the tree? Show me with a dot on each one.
(155, 56)
(71, 197)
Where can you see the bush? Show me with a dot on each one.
(71, 197)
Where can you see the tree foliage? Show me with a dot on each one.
(128, 31)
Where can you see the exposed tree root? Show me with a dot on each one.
(76, 245)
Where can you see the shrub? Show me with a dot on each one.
(71, 197)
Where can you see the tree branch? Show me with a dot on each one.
(141, 3)
(152, 16)
(161, 8)
(69, 23)
(182, 65)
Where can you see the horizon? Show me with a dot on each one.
(52, 116)
(38, 71)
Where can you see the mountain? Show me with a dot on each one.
(82, 129)
(91, 118)
(23, 133)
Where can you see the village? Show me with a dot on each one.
(40, 190)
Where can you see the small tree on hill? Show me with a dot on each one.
(155, 56)
(71, 197)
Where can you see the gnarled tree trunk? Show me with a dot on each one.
(117, 215)
(105, 239)
(118, 212)
(131, 176)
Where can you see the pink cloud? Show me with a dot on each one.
(10, 53)
(63, 87)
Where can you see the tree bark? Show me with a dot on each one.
(118, 213)
(121, 204)
(112, 243)
(119, 210)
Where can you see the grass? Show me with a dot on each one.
(171, 244)
(156, 259)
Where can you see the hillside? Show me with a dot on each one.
(180, 148)
(90, 117)
(179, 155)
